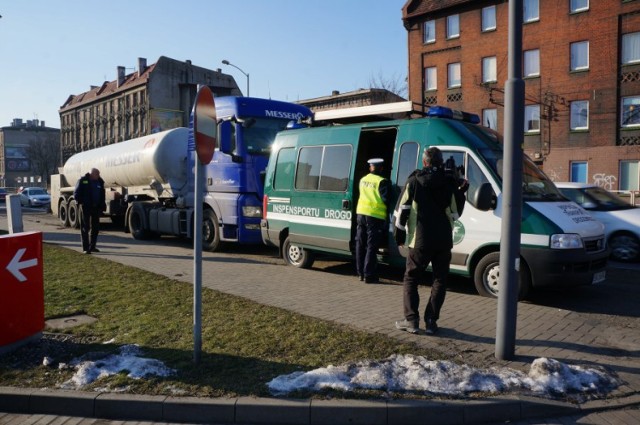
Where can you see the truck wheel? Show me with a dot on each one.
(487, 277)
(137, 223)
(210, 231)
(73, 212)
(625, 247)
(63, 213)
(296, 256)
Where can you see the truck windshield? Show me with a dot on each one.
(536, 186)
(259, 134)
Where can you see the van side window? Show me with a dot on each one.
(325, 168)
(308, 175)
(284, 169)
(475, 176)
(407, 162)
(336, 164)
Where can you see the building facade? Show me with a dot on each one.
(17, 167)
(580, 66)
(152, 99)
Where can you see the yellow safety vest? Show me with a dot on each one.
(370, 202)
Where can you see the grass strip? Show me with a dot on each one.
(244, 344)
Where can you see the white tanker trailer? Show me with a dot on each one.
(150, 186)
(147, 185)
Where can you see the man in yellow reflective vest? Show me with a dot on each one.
(371, 218)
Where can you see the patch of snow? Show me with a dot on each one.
(88, 371)
(401, 373)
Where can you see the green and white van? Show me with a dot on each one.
(311, 191)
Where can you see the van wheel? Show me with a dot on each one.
(63, 213)
(487, 277)
(210, 231)
(297, 256)
(625, 247)
(73, 213)
(137, 223)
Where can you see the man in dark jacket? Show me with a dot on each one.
(89, 193)
(426, 211)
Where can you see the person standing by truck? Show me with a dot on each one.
(89, 193)
(427, 209)
(371, 218)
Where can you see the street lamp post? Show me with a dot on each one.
(226, 62)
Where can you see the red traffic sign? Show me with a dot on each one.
(204, 124)
(21, 287)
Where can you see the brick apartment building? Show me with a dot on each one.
(581, 68)
(153, 98)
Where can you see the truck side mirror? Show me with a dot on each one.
(225, 137)
(483, 197)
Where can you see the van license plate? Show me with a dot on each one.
(599, 277)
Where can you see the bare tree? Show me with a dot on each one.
(44, 154)
(395, 84)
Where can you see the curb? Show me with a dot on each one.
(275, 411)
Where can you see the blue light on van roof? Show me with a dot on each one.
(444, 112)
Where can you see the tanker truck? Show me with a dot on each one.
(149, 180)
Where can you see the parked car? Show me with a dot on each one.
(3, 194)
(34, 197)
(621, 220)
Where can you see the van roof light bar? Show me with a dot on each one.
(444, 112)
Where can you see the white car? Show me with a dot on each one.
(621, 220)
(34, 197)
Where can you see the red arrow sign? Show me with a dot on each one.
(21, 287)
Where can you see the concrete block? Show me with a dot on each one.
(425, 412)
(492, 410)
(533, 407)
(15, 400)
(252, 410)
(129, 407)
(348, 412)
(199, 410)
(66, 403)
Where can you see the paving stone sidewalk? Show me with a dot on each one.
(468, 321)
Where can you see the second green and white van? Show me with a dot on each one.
(311, 191)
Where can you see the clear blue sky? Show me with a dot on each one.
(292, 50)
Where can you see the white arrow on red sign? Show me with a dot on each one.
(15, 265)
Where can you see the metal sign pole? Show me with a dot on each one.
(197, 263)
(204, 132)
(512, 191)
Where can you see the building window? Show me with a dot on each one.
(630, 111)
(429, 31)
(431, 78)
(454, 78)
(579, 115)
(579, 5)
(489, 73)
(532, 119)
(453, 26)
(580, 56)
(488, 18)
(579, 172)
(490, 118)
(629, 175)
(531, 11)
(631, 48)
(531, 63)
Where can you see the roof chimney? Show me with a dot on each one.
(142, 65)
(120, 76)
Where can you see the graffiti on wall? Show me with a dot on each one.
(604, 181)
